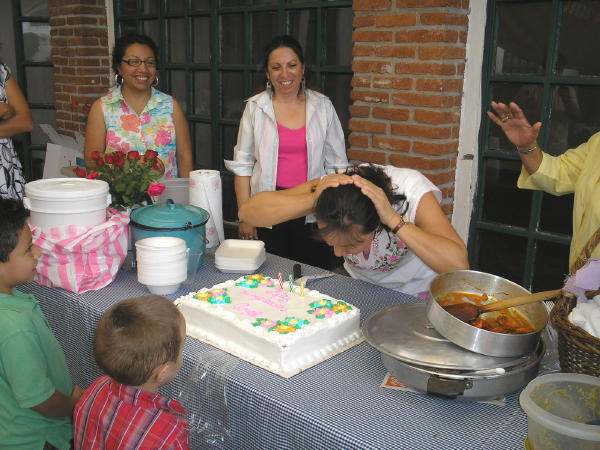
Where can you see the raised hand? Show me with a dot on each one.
(515, 125)
(332, 180)
(387, 214)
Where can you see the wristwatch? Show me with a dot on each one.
(403, 221)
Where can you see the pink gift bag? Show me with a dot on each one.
(79, 258)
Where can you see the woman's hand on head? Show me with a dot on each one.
(514, 124)
(247, 231)
(387, 214)
(331, 180)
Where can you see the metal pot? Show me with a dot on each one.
(477, 339)
(420, 357)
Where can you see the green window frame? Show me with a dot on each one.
(531, 243)
(213, 80)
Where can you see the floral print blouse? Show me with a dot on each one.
(153, 129)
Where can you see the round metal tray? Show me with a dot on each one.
(404, 332)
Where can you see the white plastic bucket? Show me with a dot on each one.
(56, 202)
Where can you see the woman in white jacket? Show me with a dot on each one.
(288, 135)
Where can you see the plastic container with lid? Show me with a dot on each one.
(240, 256)
(563, 410)
(57, 202)
(182, 221)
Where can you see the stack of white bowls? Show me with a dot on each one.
(161, 263)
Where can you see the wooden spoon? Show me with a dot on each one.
(468, 311)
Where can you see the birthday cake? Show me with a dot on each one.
(281, 327)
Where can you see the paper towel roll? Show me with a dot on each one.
(206, 192)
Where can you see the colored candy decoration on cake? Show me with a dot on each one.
(265, 323)
(325, 308)
(214, 297)
(295, 322)
(256, 280)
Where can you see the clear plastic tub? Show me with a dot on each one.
(562, 411)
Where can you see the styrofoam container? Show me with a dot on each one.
(239, 252)
(561, 408)
(157, 278)
(57, 202)
(165, 245)
(163, 290)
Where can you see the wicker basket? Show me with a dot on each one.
(578, 351)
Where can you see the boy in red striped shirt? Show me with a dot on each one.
(139, 345)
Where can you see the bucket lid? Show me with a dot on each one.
(169, 216)
(63, 188)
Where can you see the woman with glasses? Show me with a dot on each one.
(288, 134)
(15, 118)
(134, 115)
(385, 221)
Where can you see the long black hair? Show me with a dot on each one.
(342, 208)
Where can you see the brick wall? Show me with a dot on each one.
(80, 54)
(409, 59)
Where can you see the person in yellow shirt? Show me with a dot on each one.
(575, 171)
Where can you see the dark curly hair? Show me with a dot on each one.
(14, 217)
(343, 207)
(129, 39)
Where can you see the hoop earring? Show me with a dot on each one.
(118, 79)
(303, 84)
(155, 81)
(268, 85)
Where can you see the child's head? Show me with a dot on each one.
(140, 340)
(18, 256)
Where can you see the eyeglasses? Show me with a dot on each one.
(136, 62)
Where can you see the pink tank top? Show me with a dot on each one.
(292, 159)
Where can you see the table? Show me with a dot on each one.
(337, 404)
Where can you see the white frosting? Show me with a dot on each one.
(234, 327)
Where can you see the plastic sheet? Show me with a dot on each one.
(205, 386)
(550, 361)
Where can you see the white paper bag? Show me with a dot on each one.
(206, 192)
(57, 157)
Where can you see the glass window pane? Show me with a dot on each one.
(38, 137)
(202, 93)
(579, 23)
(127, 26)
(527, 96)
(229, 140)
(264, 2)
(200, 4)
(39, 85)
(518, 51)
(233, 95)
(31, 8)
(177, 40)
(337, 87)
(502, 255)
(264, 28)
(552, 266)
(176, 5)
(259, 81)
(574, 117)
(150, 6)
(502, 201)
(152, 29)
(232, 38)
(226, 3)
(302, 25)
(556, 215)
(178, 83)
(36, 42)
(338, 36)
(201, 32)
(128, 7)
(203, 146)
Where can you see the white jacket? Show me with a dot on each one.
(255, 154)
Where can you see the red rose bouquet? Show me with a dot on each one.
(131, 177)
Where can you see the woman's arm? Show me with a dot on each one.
(520, 133)
(21, 120)
(95, 133)
(185, 161)
(242, 194)
(272, 207)
(432, 237)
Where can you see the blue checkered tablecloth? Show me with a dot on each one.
(337, 404)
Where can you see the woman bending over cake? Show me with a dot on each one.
(385, 221)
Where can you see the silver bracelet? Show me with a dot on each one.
(528, 151)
